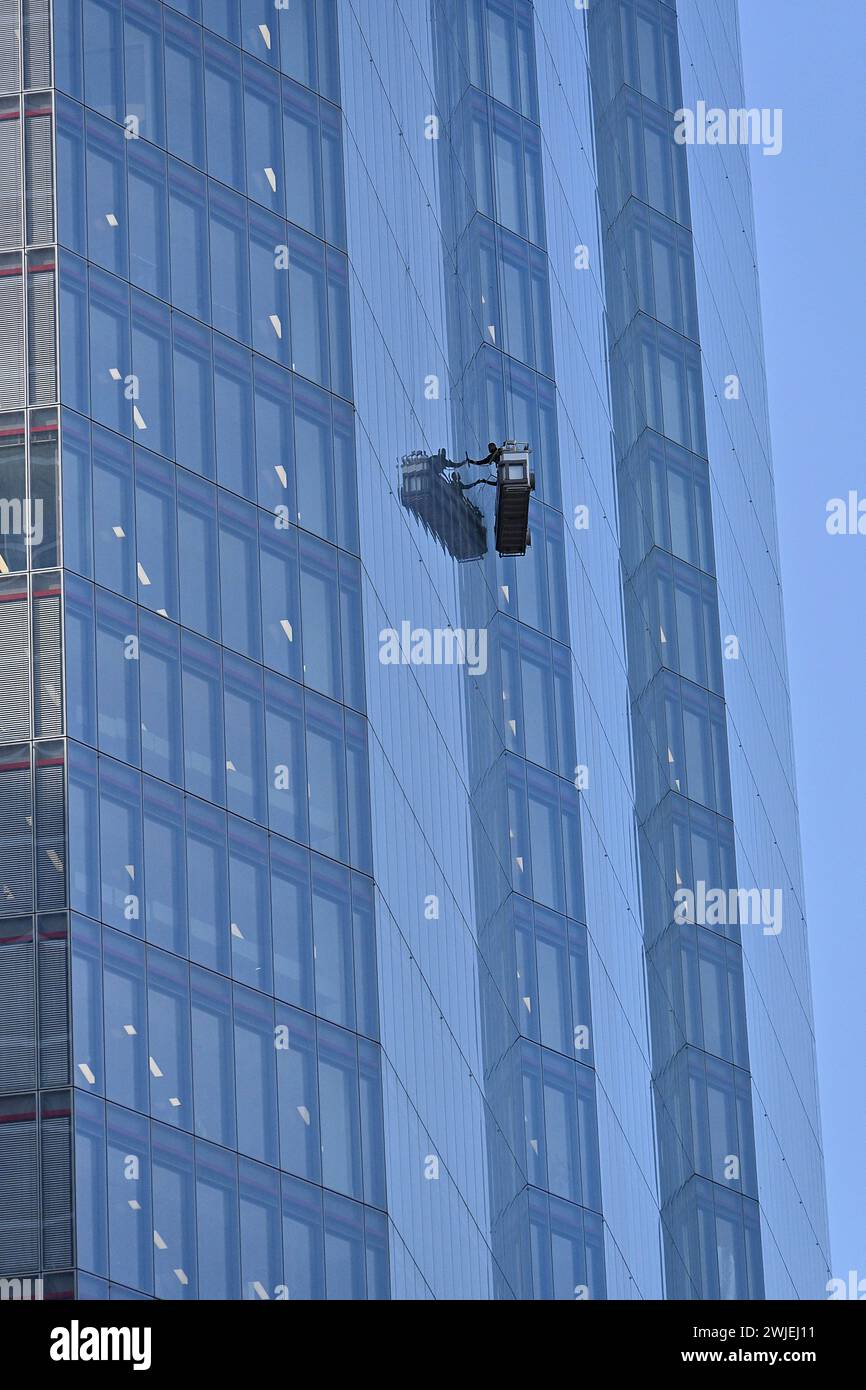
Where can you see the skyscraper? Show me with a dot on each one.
(385, 912)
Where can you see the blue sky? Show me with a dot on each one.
(810, 207)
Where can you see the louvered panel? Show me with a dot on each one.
(10, 80)
(37, 43)
(17, 1016)
(50, 831)
(53, 1013)
(40, 180)
(47, 668)
(16, 835)
(10, 180)
(56, 1193)
(14, 654)
(43, 375)
(11, 337)
(19, 1213)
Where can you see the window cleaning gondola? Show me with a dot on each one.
(434, 491)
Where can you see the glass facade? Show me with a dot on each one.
(763, 778)
(324, 974)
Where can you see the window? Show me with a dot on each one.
(266, 182)
(364, 939)
(190, 260)
(173, 1215)
(270, 287)
(217, 1214)
(69, 56)
(303, 1247)
(87, 1006)
(510, 185)
(224, 18)
(235, 428)
(204, 746)
(352, 629)
(546, 840)
(74, 333)
(145, 96)
(103, 59)
(266, 46)
(114, 513)
(309, 308)
(372, 1123)
(320, 610)
(280, 598)
(110, 354)
(230, 274)
(300, 1144)
(245, 743)
(534, 184)
(225, 111)
(478, 158)
(554, 992)
(346, 477)
(199, 555)
(338, 323)
(332, 938)
(117, 678)
(149, 262)
(130, 1216)
(344, 1249)
(239, 571)
(326, 775)
(358, 790)
(332, 171)
(153, 407)
(340, 1111)
(292, 924)
(156, 517)
(121, 848)
(165, 870)
(91, 1197)
(314, 445)
(193, 397)
(275, 445)
(297, 31)
(126, 1044)
(261, 1235)
(208, 886)
(287, 774)
(184, 87)
(83, 823)
(170, 1041)
(516, 299)
(504, 70)
(255, 1067)
(539, 725)
(697, 747)
(70, 174)
(213, 1057)
(577, 1244)
(161, 699)
(107, 222)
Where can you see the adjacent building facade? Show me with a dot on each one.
(353, 877)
